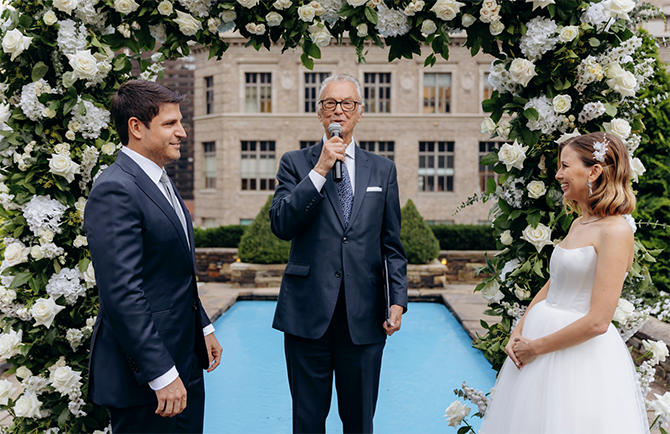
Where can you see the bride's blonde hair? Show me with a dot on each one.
(612, 192)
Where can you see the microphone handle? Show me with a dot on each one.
(337, 171)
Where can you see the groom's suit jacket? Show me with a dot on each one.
(325, 254)
(150, 316)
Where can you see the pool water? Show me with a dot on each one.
(423, 363)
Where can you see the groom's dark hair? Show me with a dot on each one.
(142, 100)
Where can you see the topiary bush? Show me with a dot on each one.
(418, 240)
(222, 236)
(465, 237)
(259, 245)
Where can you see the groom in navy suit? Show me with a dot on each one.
(152, 338)
(331, 304)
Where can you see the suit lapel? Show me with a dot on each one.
(362, 178)
(329, 187)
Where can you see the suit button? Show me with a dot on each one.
(338, 274)
(345, 240)
(195, 305)
(307, 208)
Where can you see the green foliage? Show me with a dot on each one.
(493, 343)
(222, 236)
(418, 240)
(465, 237)
(259, 245)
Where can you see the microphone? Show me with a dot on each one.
(335, 129)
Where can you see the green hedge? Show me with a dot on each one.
(223, 236)
(259, 245)
(465, 237)
(419, 242)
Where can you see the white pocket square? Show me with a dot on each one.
(374, 189)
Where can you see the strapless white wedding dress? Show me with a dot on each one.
(588, 388)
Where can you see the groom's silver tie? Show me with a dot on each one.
(165, 180)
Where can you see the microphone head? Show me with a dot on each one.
(335, 129)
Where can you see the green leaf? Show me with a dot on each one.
(531, 114)
(307, 61)
(51, 335)
(20, 279)
(515, 214)
(594, 42)
(533, 219)
(83, 264)
(371, 15)
(82, 108)
(39, 70)
(489, 159)
(610, 109)
(68, 80)
(504, 206)
(537, 268)
(491, 185)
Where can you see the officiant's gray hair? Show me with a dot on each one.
(341, 78)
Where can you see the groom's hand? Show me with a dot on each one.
(214, 351)
(393, 324)
(171, 399)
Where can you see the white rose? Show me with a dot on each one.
(89, 276)
(188, 25)
(28, 406)
(456, 412)
(15, 253)
(66, 6)
(84, 65)
(658, 349)
(248, 3)
(50, 18)
(504, 128)
(44, 311)
(506, 238)
(522, 71)
(618, 127)
(7, 389)
(489, 15)
(46, 236)
(62, 149)
(5, 112)
(319, 34)
(637, 168)
(496, 27)
(14, 43)
(568, 33)
(567, 136)
(618, 8)
(228, 16)
(69, 134)
(255, 29)
(108, 148)
(80, 241)
(624, 310)
(428, 27)
(36, 253)
(362, 30)
(447, 10)
(282, 4)
(536, 189)
(165, 8)
(512, 155)
(662, 404)
(356, 3)
(273, 19)
(521, 293)
(10, 343)
(23, 372)
(562, 103)
(621, 80)
(538, 237)
(467, 20)
(491, 292)
(488, 126)
(49, 113)
(63, 166)
(125, 6)
(3, 188)
(64, 378)
(306, 13)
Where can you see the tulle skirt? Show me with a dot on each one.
(589, 388)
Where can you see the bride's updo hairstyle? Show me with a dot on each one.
(612, 193)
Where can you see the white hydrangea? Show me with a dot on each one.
(42, 212)
(89, 159)
(591, 111)
(596, 16)
(93, 121)
(511, 194)
(71, 38)
(74, 337)
(515, 310)
(539, 38)
(501, 79)
(330, 10)
(31, 107)
(35, 384)
(67, 283)
(198, 8)
(75, 407)
(547, 120)
(391, 22)
(588, 71)
(89, 15)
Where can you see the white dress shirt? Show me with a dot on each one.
(350, 160)
(154, 172)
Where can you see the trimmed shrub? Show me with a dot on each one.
(259, 245)
(223, 236)
(465, 237)
(418, 240)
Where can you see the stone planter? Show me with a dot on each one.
(433, 275)
(243, 275)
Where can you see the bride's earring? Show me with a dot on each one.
(590, 187)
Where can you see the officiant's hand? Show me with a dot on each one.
(393, 325)
(523, 350)
(214, 351)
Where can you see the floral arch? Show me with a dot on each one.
(560, 67)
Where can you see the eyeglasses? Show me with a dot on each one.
(330, 105)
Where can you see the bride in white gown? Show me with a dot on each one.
(568, 369)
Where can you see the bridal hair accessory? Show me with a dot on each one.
(600, 148)
(590, 184)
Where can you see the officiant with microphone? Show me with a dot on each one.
(339, 206)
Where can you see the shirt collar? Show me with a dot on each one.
(153, 170)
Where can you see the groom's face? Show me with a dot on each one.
(161, 138)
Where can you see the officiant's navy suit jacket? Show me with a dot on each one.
(150, 316)
(325, 254)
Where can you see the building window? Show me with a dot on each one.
(258, 165)
(437, 92)
(246, 222)
(258, 92)
(313, 82)
(487, 88)
(210, 164)
(377, 92)
(385, 149)
(209, 94)
(486, 172)
(436, 166)
(307, 143)
(209, 222)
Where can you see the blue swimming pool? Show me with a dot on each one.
(422, 365)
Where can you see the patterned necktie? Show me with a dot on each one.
(175, 203)
(346, 194)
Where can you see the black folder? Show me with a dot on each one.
(387, 297)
